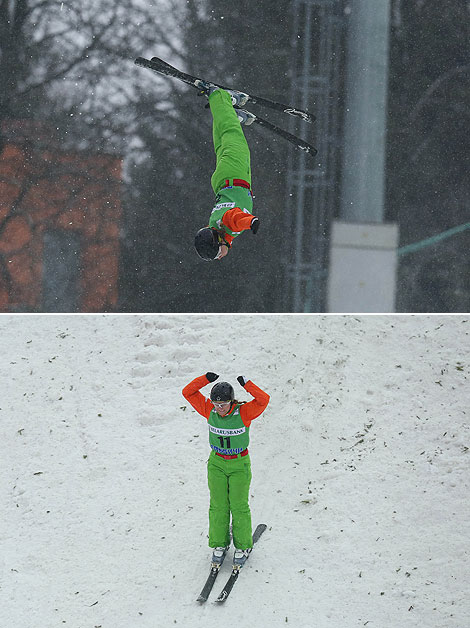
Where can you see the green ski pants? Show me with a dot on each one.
(229, 486)
(230, 145)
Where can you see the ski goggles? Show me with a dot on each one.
(221, 404)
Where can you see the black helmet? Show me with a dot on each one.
(207, 243)
(223, 391)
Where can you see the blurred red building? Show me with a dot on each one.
(60, 215)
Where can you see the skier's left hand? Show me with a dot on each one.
(242, 380)
(223, 250)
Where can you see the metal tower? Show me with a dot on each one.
(312, 183)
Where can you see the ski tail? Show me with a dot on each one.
(207, 588)
(260, 528)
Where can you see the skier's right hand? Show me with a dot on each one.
(254, 224)
(211, 376)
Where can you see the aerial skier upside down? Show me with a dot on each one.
(231, 180)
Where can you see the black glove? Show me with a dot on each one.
(242, 380)
(211, 376)
(254, 225)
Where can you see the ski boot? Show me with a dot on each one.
(240, 557)
(238, 98)
(245, 117)
(218, 555)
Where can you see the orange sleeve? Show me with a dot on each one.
(252, 409)
(196, 399)
(237, 220)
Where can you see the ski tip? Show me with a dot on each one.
(298, 113)
(310, 150)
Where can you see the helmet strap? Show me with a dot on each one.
(222, 239)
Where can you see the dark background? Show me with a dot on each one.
(73, 66)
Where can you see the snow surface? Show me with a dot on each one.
(360, 469)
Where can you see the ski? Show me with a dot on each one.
(237, 568)
(228, 585)
(161, 67)
(293, 139)
(207, 588)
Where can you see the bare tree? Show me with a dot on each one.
(77, 58)
(69, 65)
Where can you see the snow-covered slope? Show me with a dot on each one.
(360, 469)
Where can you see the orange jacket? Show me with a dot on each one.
(248, 411)
(236, 220)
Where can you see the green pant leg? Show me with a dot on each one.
(239, 491)
(219, 508)
(230, 145)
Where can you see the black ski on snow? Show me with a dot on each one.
(160, 66)
(236, 569)
(207, 588)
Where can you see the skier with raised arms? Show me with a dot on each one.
(229, 466)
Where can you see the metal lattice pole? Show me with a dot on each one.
(312, 190)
